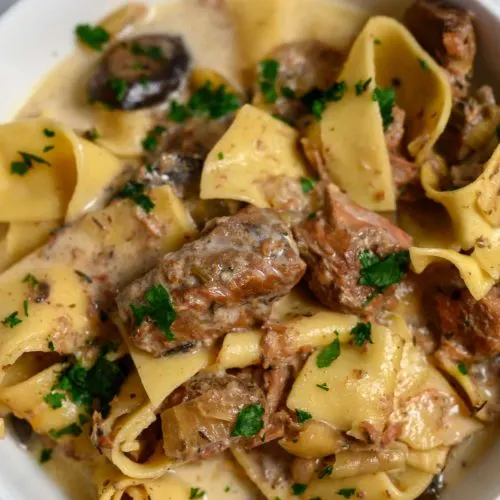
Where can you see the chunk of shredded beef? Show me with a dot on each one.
(226, 280)
(331, 242)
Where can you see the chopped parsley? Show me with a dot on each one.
(151, 51)
(31, 280)
(307, 184)
(424, 64)
(70, 430)
(227, 488)
(12, 320)
(51, 346)
(150, 142)
(196, 493)
(323, 386)
(206, 101)
(302, 416)
(249, 422)
(25, 307)
(135, 191)
(158, 308)
(327, 471)
(298, 488)
(312, 216)
(93, 36)
(220, 155)
(55, 399)
(268, 73)
(386, 99)
(362, 86)
(46, 149)
(346, 492)
(91, 134)
(316, 99)
(462, 368)
(45, 455)
(288, 92)
(328, 354)
(22, 167)
(381, 273)
(377, 41)
(48, 133)
(362, 334)
(119, 87)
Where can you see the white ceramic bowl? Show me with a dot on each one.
(36, 34)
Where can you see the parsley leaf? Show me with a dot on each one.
(93, 36)
(220, 155)
(382, 273)
(298, 488)
(150, 142)
(323, 386)
(386, 99)
(307, 184)
(288, 92)
(317, 108)
(249, 422)
(158, 308)
(71, 429)
(12, 320)
(54, 399)
(316, 99)
(327, 471)
(48, 133)
(362, 86)
(196, 493)
(178, 113)
(119, 86)
(328, 354)
(424, 64)
(46, 149)
(268, 71)
(135, 191)
(302, 416)
(31, 280)
(362, 334)
(51, 346)
(45, 455)
(346, 492)
(91, 134)
(21, 168)
(151, 51)
(462, 368)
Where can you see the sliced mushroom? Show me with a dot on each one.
(139, 72)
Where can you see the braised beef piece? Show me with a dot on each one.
(139, 72)
(471, 129)
(201, 415)
(466, 327)
(447, 33)
(226, 280)
(332, 241)
(303, 66)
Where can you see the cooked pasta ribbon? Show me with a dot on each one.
(354, 149)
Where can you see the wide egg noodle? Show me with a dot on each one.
(354, 149)
(255, 149)
(361, 383)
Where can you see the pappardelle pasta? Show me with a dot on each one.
(245, 255)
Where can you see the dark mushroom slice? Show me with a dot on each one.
(139, 72)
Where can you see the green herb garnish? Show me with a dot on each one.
(71, 430)
(462, 368)
(12, 320)
(307, 184)
(51, 346)
(288, 92)
(298, 488)
(46, 149)
(346, 492)
(220, 155)
(93, 36)
(328, 354)
(158, 309)
(196, 493)
(323, 386)
(381, 273)
(31, 280)
(302, 416)
(424, 64)
(119, 87)
(55, 399)
(362, 334)
(135, 191)
(249, 422)
(327, 471)
(150, 142)
(22, 167)
(151, 51)
(45, 455)
(91, 134)
(317, 99)
(25, 307)
(48, 133)
(362, 86)
(268, 72)
(386, 99)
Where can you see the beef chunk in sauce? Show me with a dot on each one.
(448, 35)
(303, 66)
(139, 72)
(226, 280)
(332, 241)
